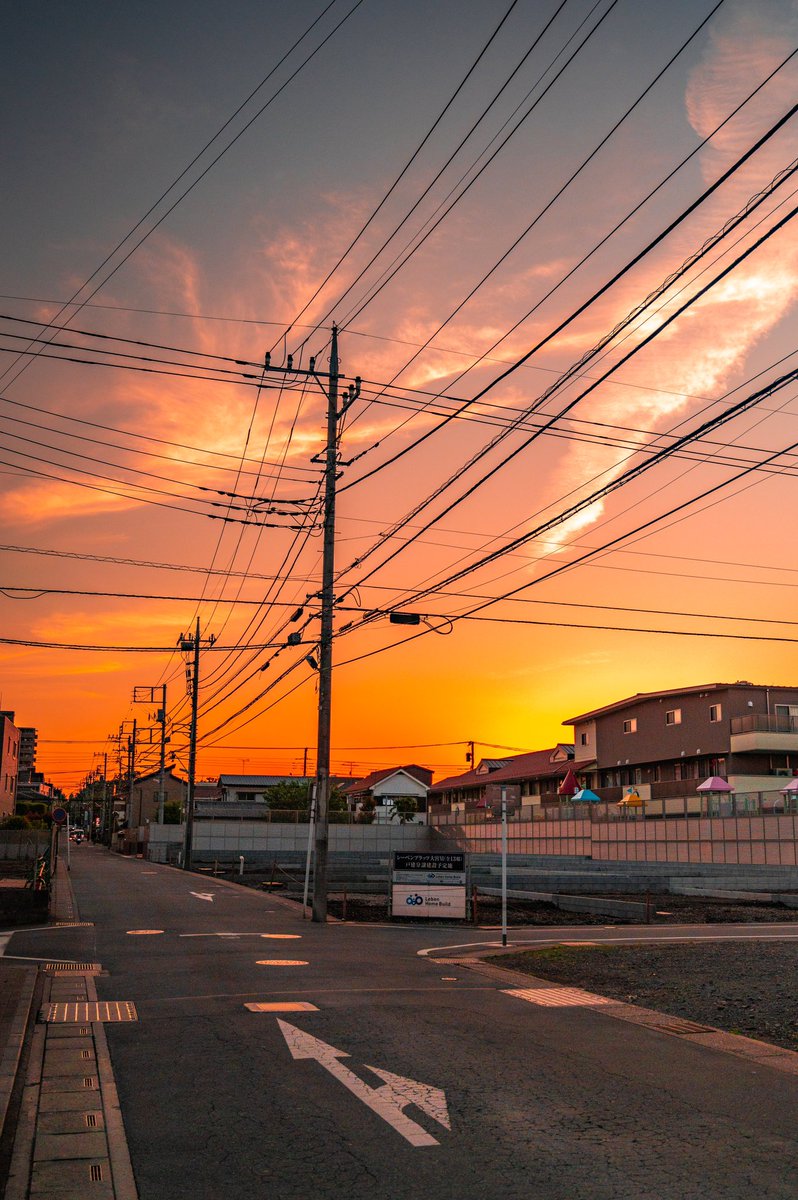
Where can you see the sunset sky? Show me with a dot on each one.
(521, 138)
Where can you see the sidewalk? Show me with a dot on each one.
(69, 1137)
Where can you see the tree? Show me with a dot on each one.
(15, 822)
(289, 795)
(404, 808)
(172, 812)
(367, 811)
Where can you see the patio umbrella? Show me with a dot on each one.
(791, 787)
(714, 784)
(632, 800)
(569, 785)
(586, 794)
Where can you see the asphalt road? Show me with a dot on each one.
(555, 1103)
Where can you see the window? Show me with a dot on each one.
(630, 726)
(584, 739)
(715, 712)
(673, 716)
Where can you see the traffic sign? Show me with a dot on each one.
(59, 816)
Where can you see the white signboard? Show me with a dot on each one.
(421, 900)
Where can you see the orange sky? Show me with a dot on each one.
(228, 272)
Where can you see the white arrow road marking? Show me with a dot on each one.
(203, 895)
(387, 1101)
(401, 1091)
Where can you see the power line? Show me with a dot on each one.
(665, 323)
(21, 592)
(541, 343)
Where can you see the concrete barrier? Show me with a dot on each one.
(631, 910)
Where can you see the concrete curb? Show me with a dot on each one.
(18, 1183)
(124, 1182)
(9, 1063)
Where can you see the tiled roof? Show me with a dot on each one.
(536, 765)
(259, 780)
(639, 697)
(421, 774)
(156, 774)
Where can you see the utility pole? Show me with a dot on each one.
(326, 639)
(161, 715)
(325, 644)
(146, 695)
(131, 768)
(105, 838)
(191, 645)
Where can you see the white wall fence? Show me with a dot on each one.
(226, 840)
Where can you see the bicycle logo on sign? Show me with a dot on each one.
(414, 899)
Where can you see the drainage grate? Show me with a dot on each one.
(70, 968)
(78, 1011)
(95, 1173)
(91, 1120)
(74, 925)
(682, 1027)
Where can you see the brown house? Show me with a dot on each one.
(743, 732)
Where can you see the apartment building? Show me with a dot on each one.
(744, 732)
(9, 763)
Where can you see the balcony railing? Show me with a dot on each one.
(761, 723)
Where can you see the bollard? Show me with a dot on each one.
(241, 864)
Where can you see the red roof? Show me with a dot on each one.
(536, 765)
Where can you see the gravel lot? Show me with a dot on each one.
(744, 987)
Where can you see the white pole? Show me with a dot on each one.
(504, 866)
(311, 822)
(69, 864)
